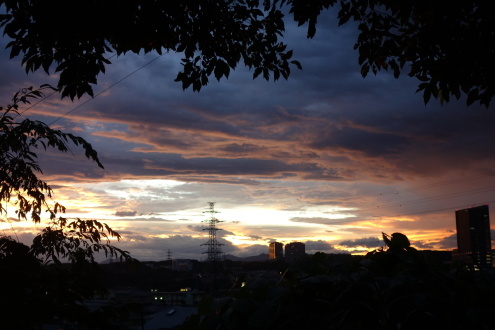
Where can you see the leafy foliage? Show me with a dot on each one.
(448, 46)
(53, 276)
(18, 160)
(48, 293)
(76, 241)
(396, 288)
(214, 37)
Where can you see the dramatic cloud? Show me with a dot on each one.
(125, 213)
(325, 157)
(321, 246)
(368, 242)
(449, 242)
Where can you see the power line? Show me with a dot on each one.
(435, 210)
(441, 183)
(450, 195)
(99, 93)
(46, 97)
(35, 104)
(448, 208)
(439, 197)
(106, 89)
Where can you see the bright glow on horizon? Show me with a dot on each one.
(159, 210)
(244, 240)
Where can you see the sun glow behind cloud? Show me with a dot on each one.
(325, 156)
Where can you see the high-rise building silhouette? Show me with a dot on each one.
(213, 246)
(474, 243)
(276, 251)
(294, 251)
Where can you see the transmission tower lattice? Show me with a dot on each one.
(213, 247)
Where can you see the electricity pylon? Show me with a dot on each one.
(213, 247)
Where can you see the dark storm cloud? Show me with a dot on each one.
(14, 78)
(175, 165)
(239, 166)
(125, 213)
(236, 148)
(319, 246)
(327, 110)
(219, 180)
(369, 242)
(394, 140)
(370, 143)
(448, 242)
(423, 245)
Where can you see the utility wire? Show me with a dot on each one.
(439, 197)
(441, 183)
(35, 104)
(378, 218)
(447, 208)
(46, 97)
(106, 89)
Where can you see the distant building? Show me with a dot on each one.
(276, 251)
(474, 244)
(294, 251)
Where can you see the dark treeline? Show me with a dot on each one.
(397, 287)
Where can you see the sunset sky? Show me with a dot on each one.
(326, 158)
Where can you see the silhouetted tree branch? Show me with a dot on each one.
(448, 46)
(51, 278)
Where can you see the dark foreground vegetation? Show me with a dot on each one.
(48, 280)
(393, 288)
(396, 287)
(448, 46)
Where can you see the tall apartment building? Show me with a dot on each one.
(294, 251)
(474, 243)
(276, 251)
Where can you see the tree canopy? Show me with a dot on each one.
(22, 189)
(448, 46)
(395, 287)
(52, 276)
